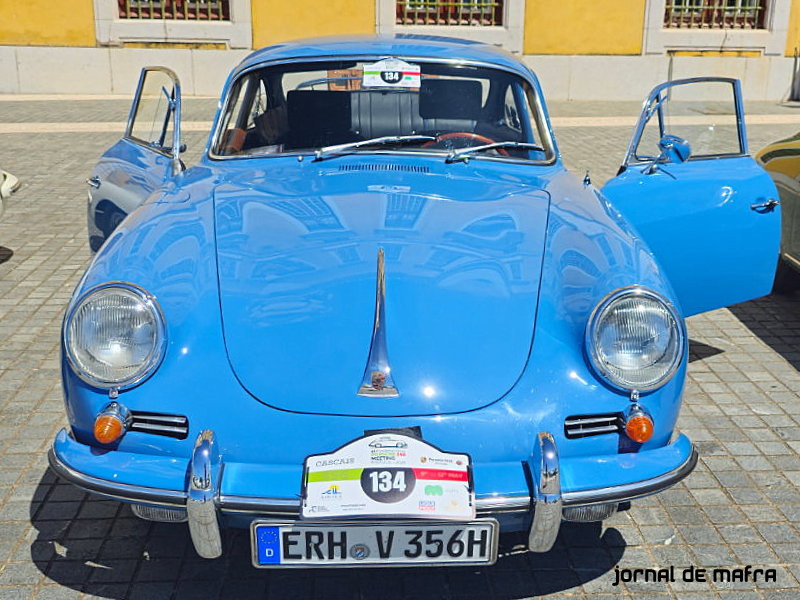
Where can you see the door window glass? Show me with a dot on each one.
(152, 121)
(703, 113)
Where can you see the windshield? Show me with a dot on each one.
(305, 107)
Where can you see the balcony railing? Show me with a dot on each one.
(715, 14)
(175, 10)
(449, 12)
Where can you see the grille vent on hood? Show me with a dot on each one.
(384, 167)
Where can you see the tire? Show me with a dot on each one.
(787, 280)
(114, 219)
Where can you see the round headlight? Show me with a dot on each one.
(114, 335)
(635, 339)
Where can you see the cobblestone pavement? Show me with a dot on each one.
(740, 507)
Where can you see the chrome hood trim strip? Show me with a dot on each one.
(377, 381)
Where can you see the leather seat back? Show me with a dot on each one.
(440, 106)
(321, 117)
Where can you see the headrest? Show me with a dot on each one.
(450, 99)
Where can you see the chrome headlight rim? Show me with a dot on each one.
(591, 347)
(149, 300)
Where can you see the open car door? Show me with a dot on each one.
(146, 156)
(708, 212)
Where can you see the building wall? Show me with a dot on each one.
(581, 49)
(793, 35)
(47, 23)
(278, 21)
(584, 27)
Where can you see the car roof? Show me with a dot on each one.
(418, 46)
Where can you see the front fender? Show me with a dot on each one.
(590, 251)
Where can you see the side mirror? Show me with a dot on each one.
(674, 149)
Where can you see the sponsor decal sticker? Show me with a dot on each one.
(388, 475)
(391, 72)
(433, 490)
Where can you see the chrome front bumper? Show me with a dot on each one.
(204, 504)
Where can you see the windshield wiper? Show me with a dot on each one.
(378, 141)
(463, 154)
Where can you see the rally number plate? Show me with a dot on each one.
(387, 544)
(388, 476)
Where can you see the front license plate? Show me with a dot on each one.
(389, 544)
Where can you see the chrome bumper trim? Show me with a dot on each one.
(205, 475)
(547, 504)
(632, 491)
(291, 506)
(114, 489)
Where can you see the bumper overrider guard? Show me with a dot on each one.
(204, 503)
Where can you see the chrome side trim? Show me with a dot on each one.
(205, 469)
(632, 491)
(795, 262)
(377, 381)
(546, 494)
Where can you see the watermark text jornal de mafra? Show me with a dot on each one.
(672, 574)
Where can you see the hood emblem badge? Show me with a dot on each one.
(377, 381)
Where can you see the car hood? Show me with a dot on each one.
(298, 258)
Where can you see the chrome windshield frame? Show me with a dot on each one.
(536, 109)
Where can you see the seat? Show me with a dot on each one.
(323, 117)
(440, 105)
(318, 118)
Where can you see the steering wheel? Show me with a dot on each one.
(463, 135)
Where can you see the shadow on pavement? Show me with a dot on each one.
(700, 351)
(775, 320)
(5, 254)
(98, 547)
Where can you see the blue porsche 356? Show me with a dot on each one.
(379, 323)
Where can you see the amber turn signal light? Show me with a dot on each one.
(639, 427)
(111, 424)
